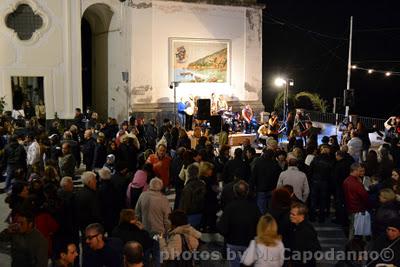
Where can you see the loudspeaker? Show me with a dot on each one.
(349, 98)
(216, 124)
(203, 109)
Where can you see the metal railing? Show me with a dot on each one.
(341, 118)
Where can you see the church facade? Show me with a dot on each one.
(123, 56)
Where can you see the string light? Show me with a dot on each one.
(370, 71)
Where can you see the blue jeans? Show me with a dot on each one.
(263, 199)
(234, 254)
(9, 177)
(181, 119)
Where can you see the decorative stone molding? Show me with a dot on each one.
(37, 11)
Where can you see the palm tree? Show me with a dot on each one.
(319, 104)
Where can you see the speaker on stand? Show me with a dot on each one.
(203, 109)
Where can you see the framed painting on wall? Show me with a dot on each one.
(199, 60)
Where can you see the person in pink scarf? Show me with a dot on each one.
(139, 184)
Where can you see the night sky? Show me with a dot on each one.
(308, 42)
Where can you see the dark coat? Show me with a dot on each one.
(380, 244)
(321, 168)
(100, 156)
(87, 149)
(303, 237)
(130, 232)
(265, 174)
(193, 197)
(341, 171)
(120, 184)
(282, 218)
(68, 222)
(87, 207)
(75, 150)
(126, 157)
(184, 142)
(234, 167)
(109, 256)
(237, 214)
(108, 205)
(15, 155)
(383, 215)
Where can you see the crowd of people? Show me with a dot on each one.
(122, 216)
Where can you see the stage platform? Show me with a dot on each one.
(234, 139)
(237, 139)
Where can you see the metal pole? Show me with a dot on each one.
(349, 65)
(127, 98)
(174, 103)
(287, 100)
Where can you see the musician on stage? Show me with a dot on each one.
(222, 104)
(263, 133)
(181, 107)
(247, 114)
(189, 111)
(311, 133)
(214, 104)
(273, 126)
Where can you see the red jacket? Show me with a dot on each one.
(47, 225)
(355, 195)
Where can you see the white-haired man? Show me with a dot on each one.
(153, 208)
(87, 203)
(66, 184)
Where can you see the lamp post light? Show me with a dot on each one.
(173, 86)
(279, 82)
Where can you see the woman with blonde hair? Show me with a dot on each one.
(267, 249)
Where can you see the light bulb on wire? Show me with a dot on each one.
(370, 71)
(388, 73)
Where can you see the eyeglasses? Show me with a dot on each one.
(90, 237)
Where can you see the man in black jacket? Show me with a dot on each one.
(235, 166)
(130, 229)
(302, 238)
(101, 251)
(341, 171)
(14, 158)
(193, 196)
(239, 213)
(87, 149)
(87, 202)
(174, 170)
(264, 178)
(321, 174)
(387, 245)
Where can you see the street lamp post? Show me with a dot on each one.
(173, 85)
(279, 82)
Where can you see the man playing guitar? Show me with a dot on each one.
(273, 126)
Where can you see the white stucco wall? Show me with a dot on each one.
(138, 43)
(152, 28)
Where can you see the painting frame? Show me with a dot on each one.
(201, 49)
